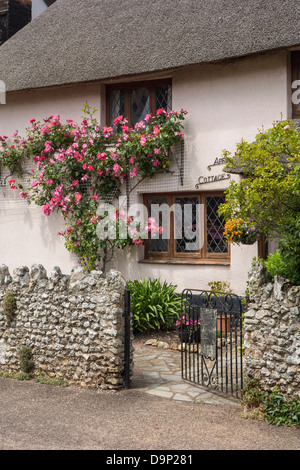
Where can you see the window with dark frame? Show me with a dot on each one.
(192, 230)
(135, 100)
(295, 75)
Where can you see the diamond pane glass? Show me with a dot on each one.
(297, 67)
(117, 108)
(186, 216)
(140, 104)
(164, 97)
(216, 242)
(158, 208)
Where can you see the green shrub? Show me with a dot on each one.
(252, 394)
(275, 265)
(283, 262)
(271, 405)
(154, 304)
(279, 411)
(9, 305)
(26, 362)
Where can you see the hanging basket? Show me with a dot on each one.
(239, 232)
(249, 240)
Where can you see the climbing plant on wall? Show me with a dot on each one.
(77, 166)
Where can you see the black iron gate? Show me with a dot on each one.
(211, 332)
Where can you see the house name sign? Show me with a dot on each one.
(212, 179)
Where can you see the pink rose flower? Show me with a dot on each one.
(133, 173)
(137, 241)
(156, 130)
(77, 198)
(47, 209)
(117, 120)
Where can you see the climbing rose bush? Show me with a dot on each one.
(77, 166)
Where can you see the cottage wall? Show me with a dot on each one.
(226, 102)
(73, 325)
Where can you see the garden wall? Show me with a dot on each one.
(272, 332)
(73, 324)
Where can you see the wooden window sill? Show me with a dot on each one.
(190, 261)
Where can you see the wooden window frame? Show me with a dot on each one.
(295, 60)
(171, 256)
(127, 88)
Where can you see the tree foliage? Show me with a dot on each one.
(268, 195)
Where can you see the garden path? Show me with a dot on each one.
(157, 371)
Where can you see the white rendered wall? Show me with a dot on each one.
(225, 103)
(38, 6)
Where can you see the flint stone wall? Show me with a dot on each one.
(272, 332)
(73, 324)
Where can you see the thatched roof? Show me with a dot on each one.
(85, 40)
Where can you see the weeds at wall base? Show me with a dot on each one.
(42, 379)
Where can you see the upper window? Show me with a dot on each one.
(295, 60)
(135, 100)
(192, 228)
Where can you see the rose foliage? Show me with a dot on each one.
(268, 195)
(77, 166)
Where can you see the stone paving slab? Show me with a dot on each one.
(158, 372)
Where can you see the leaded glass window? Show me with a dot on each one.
(134, 101)
(295, 77)
(186, 227)
(157, 208)
(193, 231)
(117, 107)
(164, 97)
(140, 104)
(216, 242)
